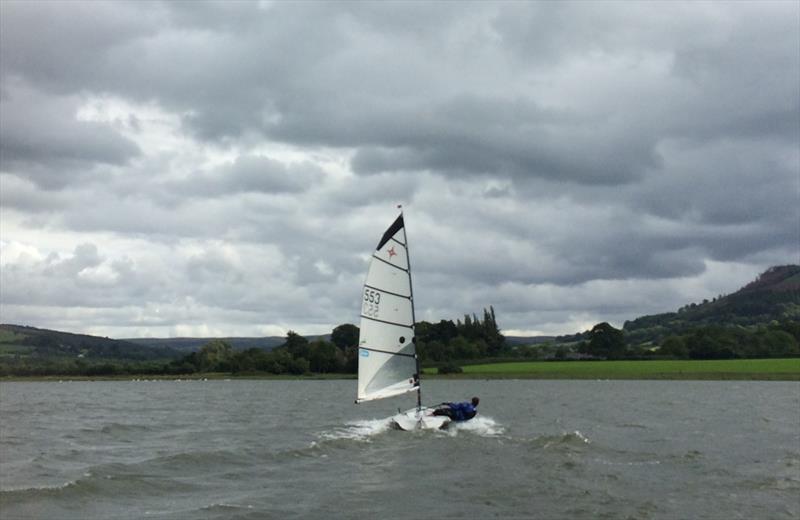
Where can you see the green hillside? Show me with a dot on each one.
(773, 297)
(20, 342)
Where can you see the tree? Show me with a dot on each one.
(606, 341)
(674, 346)
(450, 368)
(711, 342)
(214, 355)
(350, 360)
(463, 349)
(779, 343)
(322, 357)
(298, 366)
(345, 335)
(296, 344)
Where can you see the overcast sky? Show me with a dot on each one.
(225, 169)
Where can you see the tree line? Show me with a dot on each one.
(438, 343)
(777, 339)
(472, 338)
(445, 344)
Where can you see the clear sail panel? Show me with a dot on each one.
(384, 375)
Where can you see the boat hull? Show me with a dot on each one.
(424, 419)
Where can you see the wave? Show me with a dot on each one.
(84, 486)
(633, 425)
(369, 429)
(607, 462)
(566, 441)
(481, 425)
(224, 507)
(364, 430)
(193, 461)
(94, 486)
(39, 489)
(149, 477)
(123, 428)
(575, 438)
(213, 511)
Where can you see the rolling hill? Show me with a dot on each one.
(186, 345)
(773, 296)
(21, 341)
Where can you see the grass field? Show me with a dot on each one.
(756, 369)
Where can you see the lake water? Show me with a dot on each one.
(301, 449)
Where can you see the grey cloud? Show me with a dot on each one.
(59, 281)
(566, 243)
(566, 161)
(44, 142)
(732, 182)
(60, 46)
(85, 255)
(212, 266)
(307, 86)
(20, 194)
(375, 190)
(255, 174)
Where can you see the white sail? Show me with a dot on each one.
(387, 364)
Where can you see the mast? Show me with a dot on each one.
(413, 316)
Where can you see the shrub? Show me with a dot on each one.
(450, 368)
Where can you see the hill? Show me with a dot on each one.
(514, 341)
(17, 341)
(185, 345)
(773, 296)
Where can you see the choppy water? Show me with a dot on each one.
(292, 449)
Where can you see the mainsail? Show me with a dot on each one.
(387, 362)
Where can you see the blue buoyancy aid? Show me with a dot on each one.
(462, 411)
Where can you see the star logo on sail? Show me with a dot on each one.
(391, 252)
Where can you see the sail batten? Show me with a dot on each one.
(385, 321)
(387, 364)
(389, 292)
(389, 263)
(385, 352)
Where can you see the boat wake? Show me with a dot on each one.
(363, 430)
(481, 425)
(368, 429)
(573, 439)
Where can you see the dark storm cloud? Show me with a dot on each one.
(340, 76)
(64, 47)
(562, 159)
(342, 82)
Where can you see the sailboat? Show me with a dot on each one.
(387, 359)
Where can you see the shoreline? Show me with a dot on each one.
(478, 376)
(785, 369)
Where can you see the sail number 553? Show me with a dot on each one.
(372, 299)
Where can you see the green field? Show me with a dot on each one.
(758, 369)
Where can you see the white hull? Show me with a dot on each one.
(419, 420)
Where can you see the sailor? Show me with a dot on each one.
(458, 411)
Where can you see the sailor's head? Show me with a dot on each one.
(475, 401)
